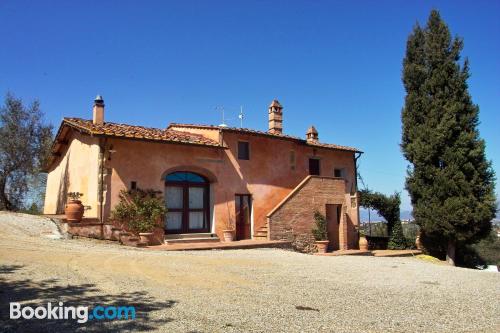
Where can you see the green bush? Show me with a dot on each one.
(139, 210)
(485, 252)
(320, 232)
(397, 240)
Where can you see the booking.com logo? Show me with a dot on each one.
(82, 314)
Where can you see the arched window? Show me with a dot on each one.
(187, 201)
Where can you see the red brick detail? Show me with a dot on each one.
(292, 219)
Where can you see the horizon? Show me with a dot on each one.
(336, 66)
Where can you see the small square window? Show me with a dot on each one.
(133, 185)
(243, 150)
(339, 173)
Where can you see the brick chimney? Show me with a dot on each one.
(275, 117)
(98, 111)
(312, 134)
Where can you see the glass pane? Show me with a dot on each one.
(196, 197)
(185, 177)
(173, 221)
(173, 197)
(245, 209)
(196, 220)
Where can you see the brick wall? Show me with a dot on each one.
(292, 219)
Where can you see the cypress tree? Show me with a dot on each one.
(450, 181)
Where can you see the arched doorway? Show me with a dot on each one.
(187, 201)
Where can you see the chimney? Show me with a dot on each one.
(275, 117)
(98, 111)
(312, 134)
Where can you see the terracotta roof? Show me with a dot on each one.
(256, 132)
(312, 130)
(137, 132)
(276, 103)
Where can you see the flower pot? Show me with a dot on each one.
(228, 235)
(146, 237)
(363, 243)
(418, 243)
(322, 246)
(74, 211)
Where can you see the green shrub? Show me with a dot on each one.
(485, 252)
(139, 210)
(320, 232)
(397, 240)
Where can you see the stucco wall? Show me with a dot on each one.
(75, 171)
(267, 176)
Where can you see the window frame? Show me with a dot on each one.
(240, 157)
(319, 166)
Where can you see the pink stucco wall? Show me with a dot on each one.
(267, 176)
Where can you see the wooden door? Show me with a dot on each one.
(314, 168)
(333, 223)
(243, 206)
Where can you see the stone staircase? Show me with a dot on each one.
(191, 238)
(261, 233)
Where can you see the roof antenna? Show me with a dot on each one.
(221, 108)
(241, 116)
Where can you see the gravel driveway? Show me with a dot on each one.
(266, 290)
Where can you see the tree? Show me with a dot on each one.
(450, 182)
(388, 208)
(24, 149)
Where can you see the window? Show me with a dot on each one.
(187, 201)
(338, 173)
(292, 159)
(133, 185)
(243, 150)
(314, 166)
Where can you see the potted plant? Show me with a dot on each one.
(140, 211)
(229, 230)
(320, 232)
(418, 242)
(74, 208)
(363, 242)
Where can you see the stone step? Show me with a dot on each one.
(192, 235)
(192, 240)
(259, 237)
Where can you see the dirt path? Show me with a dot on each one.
(235, 291)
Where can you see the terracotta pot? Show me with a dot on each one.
(418, 243)
(322, 246)
(363, 243)
(74, 211)
(146, 237)
(228, 235)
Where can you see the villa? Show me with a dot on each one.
(267, 184)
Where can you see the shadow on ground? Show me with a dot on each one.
(34, 294)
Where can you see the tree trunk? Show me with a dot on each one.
(450, 253)
(4, 200)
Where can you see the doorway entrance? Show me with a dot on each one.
(187, 201)
(243, 214)
(333, 214)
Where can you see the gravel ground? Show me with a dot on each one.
(267, 290)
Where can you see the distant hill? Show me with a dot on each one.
(405, 215)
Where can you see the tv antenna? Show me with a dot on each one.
(241, 116)
(221, 108)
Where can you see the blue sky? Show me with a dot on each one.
(334, 64)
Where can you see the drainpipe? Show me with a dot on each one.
(102, 150)
(356, 169)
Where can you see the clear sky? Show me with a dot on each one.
(334, 64)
